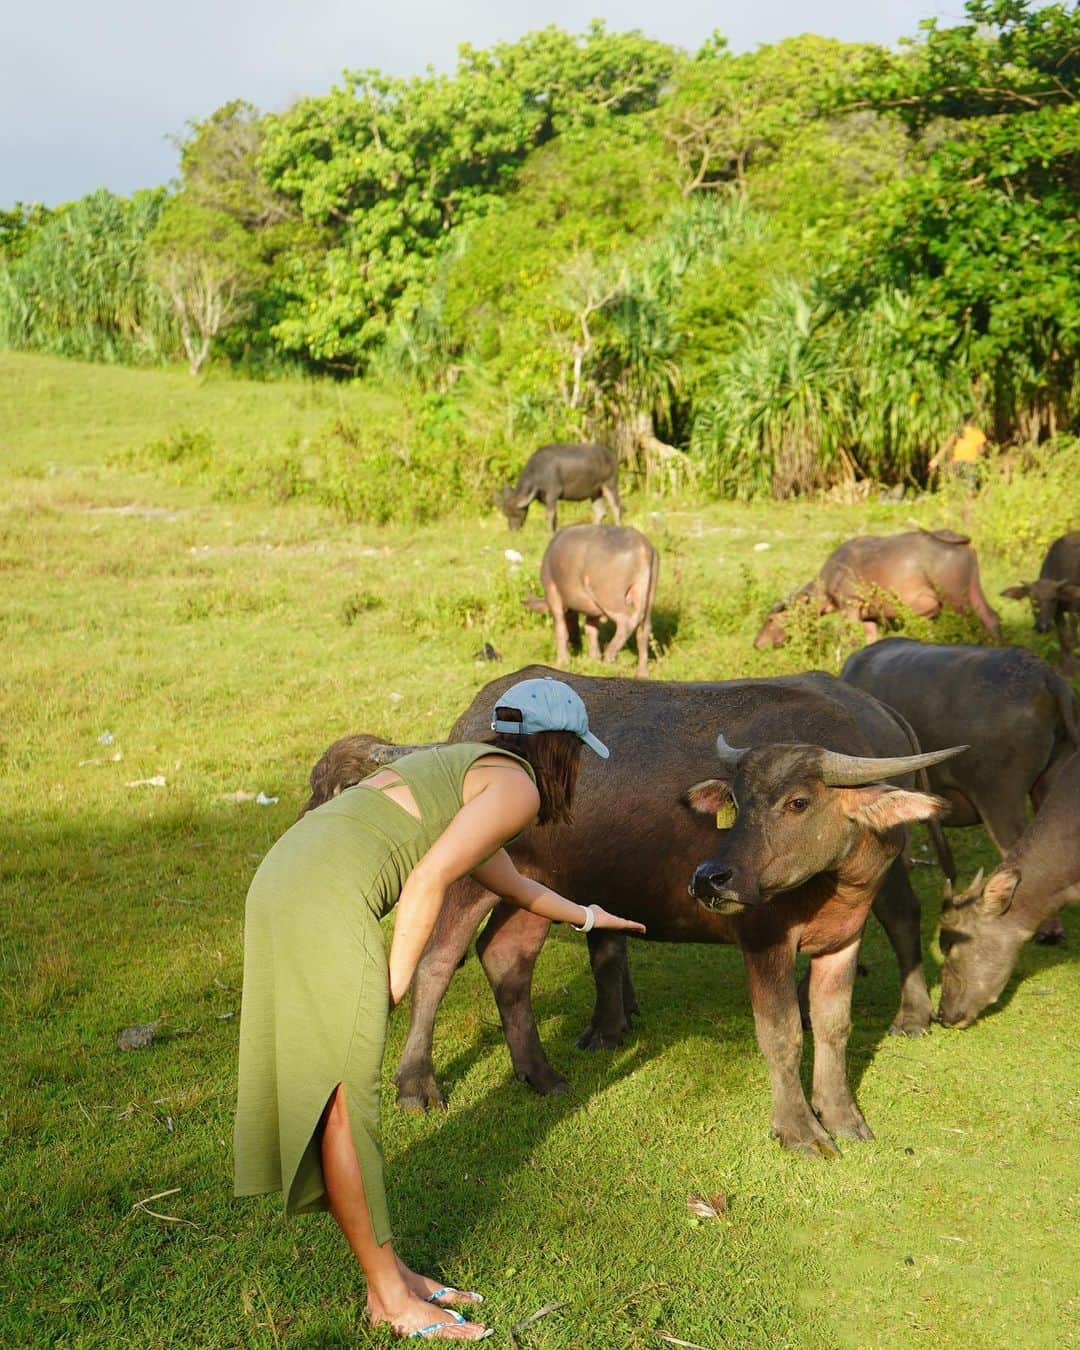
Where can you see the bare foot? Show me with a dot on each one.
(415, 1315)
(423, 1287)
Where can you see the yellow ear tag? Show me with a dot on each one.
(725, 817)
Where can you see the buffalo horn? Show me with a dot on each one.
(852, 770)
(729, 756)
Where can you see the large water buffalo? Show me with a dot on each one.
(928, 570)
(575, 472)
(828, 835)
(983, 929)
(1055, 596)
(601, 572)
(1017, 714)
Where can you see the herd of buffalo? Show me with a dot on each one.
(772, 813)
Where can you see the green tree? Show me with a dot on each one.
(390, 168)
(208, 266)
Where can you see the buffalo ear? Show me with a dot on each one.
(709, 796)
(1020, 592)
(1069, 591)
(881, 807)
(997, 894)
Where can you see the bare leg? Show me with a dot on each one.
(870, 630)
(832, 978)
(389, 1295)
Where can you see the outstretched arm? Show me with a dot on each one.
(500, 875)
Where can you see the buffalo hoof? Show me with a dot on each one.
(595, 1038)
(847, 1124)
(544, 1080)
(810, 1141)
(908, 1025)
(418, 1093)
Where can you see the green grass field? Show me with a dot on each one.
(223, 646)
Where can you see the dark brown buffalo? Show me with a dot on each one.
(1017, 714)
(928, 570)
(573, 472)
(601, 572)
(639, 830)
(1055, 596)
(983, 929)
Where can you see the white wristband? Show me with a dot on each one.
(590, 921)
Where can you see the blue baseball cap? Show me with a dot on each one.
(545, 705)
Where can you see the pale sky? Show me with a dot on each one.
(90, 90)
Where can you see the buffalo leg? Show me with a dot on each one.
(832, 978)
(562, 628)
(897, 910)
(466, 904)
(592, 635)
(771, 976)
(573, 628)
(550, 506)
(508, 948)
(611, 496)
(619, 639)
(611, 973)
(1065, 623)
(597, 509)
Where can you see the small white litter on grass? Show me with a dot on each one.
(106, 738)
(158, 780)
(762, 547)
(513, 556)
(263, 800)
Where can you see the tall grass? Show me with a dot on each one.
(81, 288)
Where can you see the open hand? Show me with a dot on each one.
(606, 920)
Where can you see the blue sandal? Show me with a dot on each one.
(429, 1332)
(469, 1295)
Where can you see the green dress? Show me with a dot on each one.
(316, 988)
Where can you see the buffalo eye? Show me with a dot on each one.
(796, 804)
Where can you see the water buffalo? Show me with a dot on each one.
(602, 572)
(983, 929)
(1017, 713)
(573, 472)
(928, 570)
(1055, 597)
(642, 821)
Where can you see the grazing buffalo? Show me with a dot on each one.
(815, 844)
(983, 929)
(573, 472)
(928, 570)
(1055, 597)
(602, 572)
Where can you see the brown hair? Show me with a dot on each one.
(555, 757)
